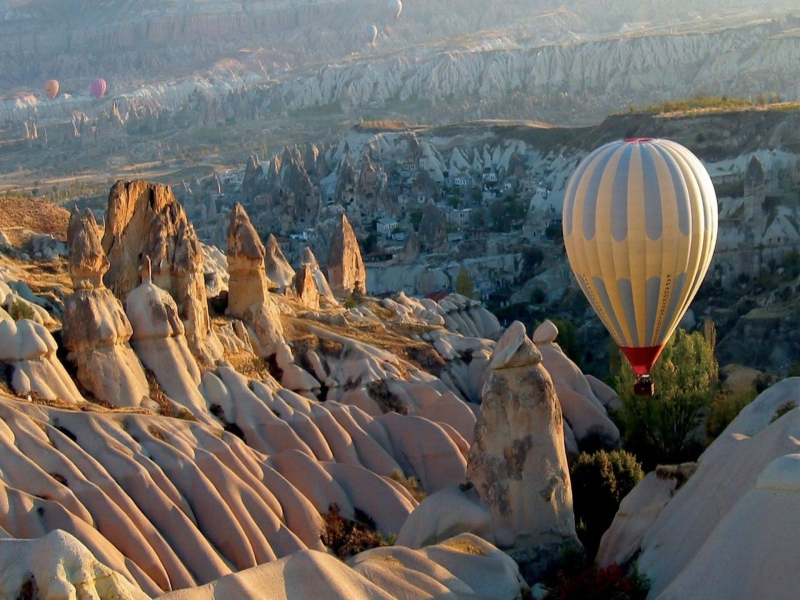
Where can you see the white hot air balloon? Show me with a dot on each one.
(372, 33)
(640, 227)
(396, 6)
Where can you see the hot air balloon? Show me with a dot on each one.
(98, 87)
(51, 88)
(640, 226)
(372, 33)
(396, 6)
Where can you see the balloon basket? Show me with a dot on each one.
(644, 386)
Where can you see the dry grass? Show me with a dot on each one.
(18, 214)
(157, 433)
(395, 338)
(249, 365)
(346, 538)
(157, 394)
(61, 404)
(466, 546)
(411, 484)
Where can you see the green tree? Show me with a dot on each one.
(371, 243)
(464, 284)
(532, 258)
(599, 483)
(665, 428)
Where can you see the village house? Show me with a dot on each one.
(386, 225)
(459, 217)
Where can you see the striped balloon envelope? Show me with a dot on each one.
(640, 226)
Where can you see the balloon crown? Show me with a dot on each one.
(638, 140)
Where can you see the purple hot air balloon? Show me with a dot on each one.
(98, 87)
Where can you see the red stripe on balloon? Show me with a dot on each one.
(642, 359)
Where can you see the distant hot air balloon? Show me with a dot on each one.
(51, 88)
(396, 6)
(372, 33)
(640, 226)
(98, 87)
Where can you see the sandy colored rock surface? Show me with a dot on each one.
(636, 514)
(145, 220)
(248, 284)
(346, 273)
(59, 566)
(463, 567)
(517, 462)
(278, 268)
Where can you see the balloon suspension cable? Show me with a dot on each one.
(644, 386)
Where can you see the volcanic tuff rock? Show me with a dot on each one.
(583, 409)
(517, 461)
(283, 192)
(278, 268)
(96, 330)
(323, 288)
(87, 259)
(432, 227)
(465, 566)
(255, 180)
(145, 219)
(30, 350)
(306, 287)
(346, 272)
(249, 300)
(58, 564)
(248, 284)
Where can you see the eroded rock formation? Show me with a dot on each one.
(584, 402)
(278, 268)
(96, 330)
(306, 287)
(346, 273)
(517, 461)
(145, 219)
(248, 284)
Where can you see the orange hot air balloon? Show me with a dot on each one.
(51, 88)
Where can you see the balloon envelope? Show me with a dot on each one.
(640, 227)
(51, 88)
(396, 6)
(98, 87)
(372, 33)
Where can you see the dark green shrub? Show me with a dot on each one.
(599, 483)
(724, 408)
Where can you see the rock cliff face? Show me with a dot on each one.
(96, 330)
(346, 273)
(640, 68)
(145, 220)
(517, 461)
